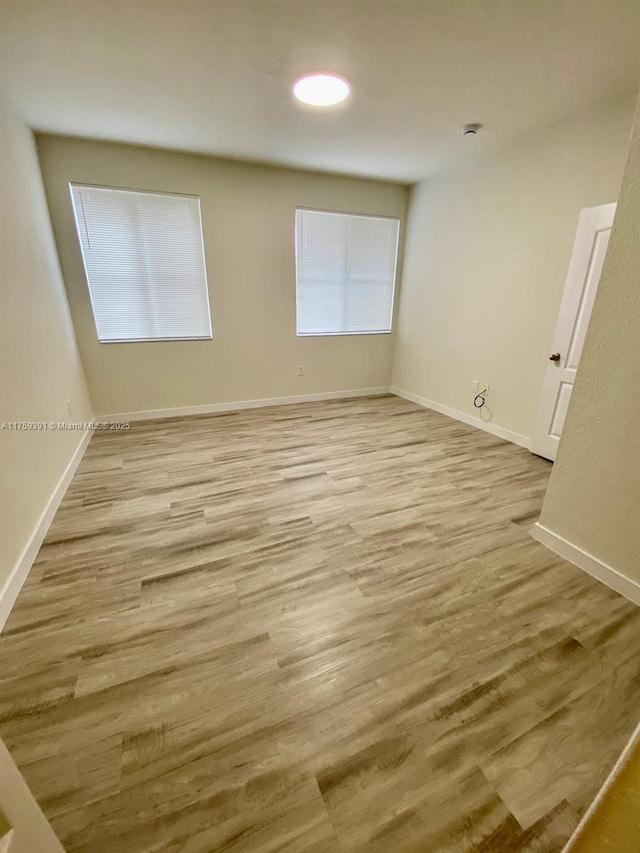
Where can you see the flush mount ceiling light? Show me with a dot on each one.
(321, 90)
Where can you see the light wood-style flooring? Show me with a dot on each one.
(320, 627)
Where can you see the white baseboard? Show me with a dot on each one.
(18, 576)
(587, 562)
(574, 842)
(212, 408)
(471, 420)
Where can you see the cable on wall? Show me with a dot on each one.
(479, 399)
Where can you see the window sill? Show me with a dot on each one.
(155, 340)
(338, 334)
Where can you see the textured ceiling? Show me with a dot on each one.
(215, 76)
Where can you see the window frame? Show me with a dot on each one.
(78, 216)
(397, 219)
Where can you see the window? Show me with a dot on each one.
(144, 261)
(345, 272)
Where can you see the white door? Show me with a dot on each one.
(585, 266)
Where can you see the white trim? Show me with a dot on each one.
(7, 840)
(211, 408)
(604, 790)
(587, 562)
(471, 420)
(20, 571)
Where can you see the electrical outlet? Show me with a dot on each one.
(301, 370)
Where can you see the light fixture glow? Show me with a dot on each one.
(321, 90)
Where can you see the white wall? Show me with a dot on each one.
(39, 364)
(248, 224)
(487, 249)
(593, 500)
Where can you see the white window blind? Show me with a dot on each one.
(345, 272)
(144, 261)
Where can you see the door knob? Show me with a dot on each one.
(555, 356)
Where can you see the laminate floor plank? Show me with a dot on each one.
(313, 628)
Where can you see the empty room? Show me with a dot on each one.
(319, 426)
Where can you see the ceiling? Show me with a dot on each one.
(215, 76)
